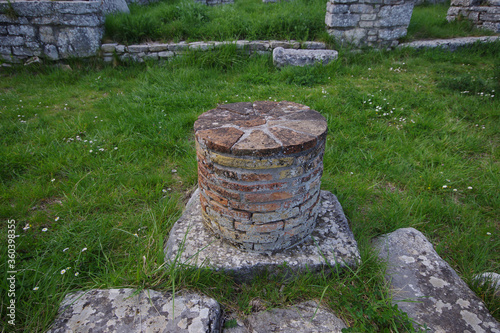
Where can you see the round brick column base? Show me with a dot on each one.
(259, 172)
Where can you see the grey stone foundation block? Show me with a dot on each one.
(330, 245)
(428, 289)
(129, 310)
(450, 44)
(305, 317)
(283, 57)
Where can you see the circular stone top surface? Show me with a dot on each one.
(261, 128)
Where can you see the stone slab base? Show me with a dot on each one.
(130, 310)
(427, 288)
(330, 245)
(283, 57)
(306, 317)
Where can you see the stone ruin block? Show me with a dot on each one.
(484, 14)
(373, 23)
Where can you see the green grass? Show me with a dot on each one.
(89, 153)
(248, 19)
(429, 22)
(177, 20)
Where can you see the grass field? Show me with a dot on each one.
(177, 20)
(87, 160)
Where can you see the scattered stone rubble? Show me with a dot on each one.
(428, 289)
(484, 13)
(376, 23)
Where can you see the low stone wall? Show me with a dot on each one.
(164, 51)
(377, 23)
(52, 29)
(484, 14)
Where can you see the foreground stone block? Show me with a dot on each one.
(127, 310)
(305, 317)
(427, 288)
(331, 245)
(283, 57)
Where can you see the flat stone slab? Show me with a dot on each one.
(428, 289)
(129, 310)
(449, 44)
(305, 317)
(330, 245)
(291, 57)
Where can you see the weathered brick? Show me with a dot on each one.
(240, 215)
(259, 218)
(217, 198)
(255, 207)
(259, 228)
(253, 188)
(266, 197)
(291, 172)
(304, 208)
(255, 177)
(252, 163)
(223, 192)
(219, 220)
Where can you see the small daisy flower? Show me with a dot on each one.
(174, 170)
(488, 233)
(84, 249)
(90, 150)
(66, 249)
(44, 229)
(444, 186)
(56, 219)
(136, 235)
(454, 190)
(35, 289)
(164, 191)
(63, 271)
(26, 227)
(53, 180)
(469, 188)
(77, 273)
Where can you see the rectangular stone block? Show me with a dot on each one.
(108, 48)
(158, 47)
(342, 20)
(26, 31)
(137, 48)
(333, 8)
(368, 17)
(22, 51)
(359, 8)
(11, 41)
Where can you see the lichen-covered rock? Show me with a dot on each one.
(305, 317)
(428, 289)
(129, 310)
(283, 57)
(330, 245)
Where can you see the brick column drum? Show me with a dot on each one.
(259, 172)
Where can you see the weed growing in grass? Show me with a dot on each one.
(119, 204)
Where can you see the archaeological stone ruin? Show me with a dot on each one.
(374, 23)
(484, 14)
(259, 203)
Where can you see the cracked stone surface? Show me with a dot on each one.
(262, 128)
(428, 289)
(330, 244)
(305, 317)
(129, 310)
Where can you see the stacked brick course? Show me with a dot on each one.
(484, 14)
(377, 23)
(259, 171)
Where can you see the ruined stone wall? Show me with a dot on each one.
(484, 14)
(377, 23)
(52, 29)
